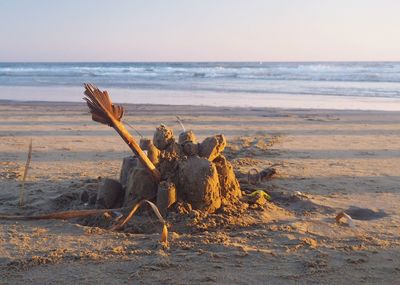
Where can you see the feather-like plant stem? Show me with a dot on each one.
(105, 112)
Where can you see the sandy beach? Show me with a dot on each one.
(327, 161)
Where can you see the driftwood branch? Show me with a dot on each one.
(64, 215)
(105, 112)
(94, 212)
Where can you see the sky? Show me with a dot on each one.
(199, 30)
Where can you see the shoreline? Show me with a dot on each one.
(203, 98)
(243, 110)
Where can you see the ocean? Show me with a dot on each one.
(299, 84)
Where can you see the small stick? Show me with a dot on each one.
(129, 125)
(61, 215)
(28, 161)
(180, 122)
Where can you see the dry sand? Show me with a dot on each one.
(335, 159)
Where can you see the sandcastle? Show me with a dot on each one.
(170, 172)
(184, 177)
(191, 172)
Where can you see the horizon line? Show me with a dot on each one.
(213, 61)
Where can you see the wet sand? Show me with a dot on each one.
(326, 161)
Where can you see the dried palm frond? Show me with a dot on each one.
(101, 107)
(105, 112)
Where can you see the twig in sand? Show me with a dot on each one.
(129, 125)
(28, 161)
(164, 234)
(180, 122)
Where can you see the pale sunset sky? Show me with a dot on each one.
(199, 30)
